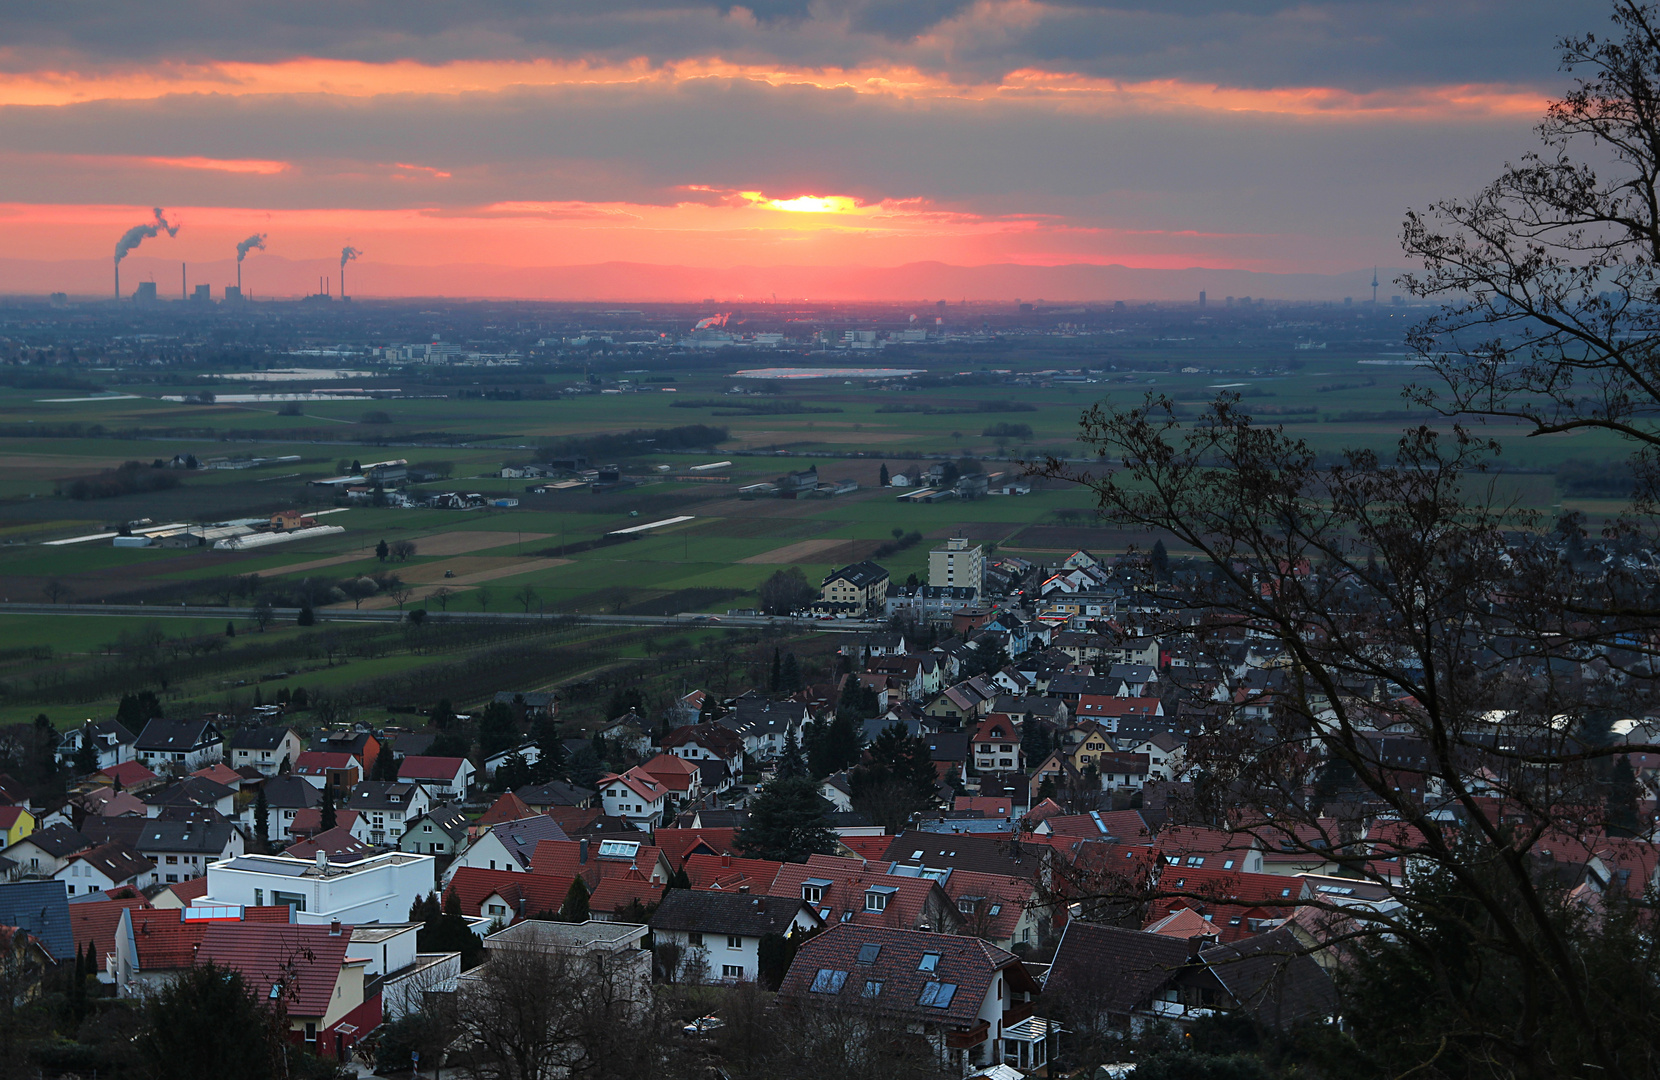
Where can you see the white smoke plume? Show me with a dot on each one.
(140, 233)
(255, 241)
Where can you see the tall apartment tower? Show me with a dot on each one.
(958, 565)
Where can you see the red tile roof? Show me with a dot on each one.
(187, 891)
(677, 844)
(618, 891)
(563, 858)
(507, 808)
(728, 873)
(94, 923)
(304, 960)
(309, 821)
(472, 886)
(912, 901)
(128, 773)
(429, 768)
(10, 814)
(867, 847)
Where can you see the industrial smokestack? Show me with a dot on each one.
(136, 236)
(347, 254)
(255, 241)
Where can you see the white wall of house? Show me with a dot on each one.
(378, 889)
(83, 878)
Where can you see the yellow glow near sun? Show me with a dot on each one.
(816, 204)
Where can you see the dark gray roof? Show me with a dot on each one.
(42, 909)
(116, 861)
(177, 736)
(724, 913)
(191, 791)
(450, 817)
(861, 575)
(414, 744)
(57, 840)
(103, 830)
(948, 745)
(554, 793)
(185, 837)
(377, 795)
(1115, 968)
(291, 793)
(965, 851)
(268, 737)
(521, 837)
(1273, 978)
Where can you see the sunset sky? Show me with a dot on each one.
(828, 134)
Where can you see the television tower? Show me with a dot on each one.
(1374, 286)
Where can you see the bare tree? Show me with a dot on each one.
(530, 1013)
(442, 596)
(526, 596)
(402, 550)
(484, 597)
(56, 591)
(401, 592)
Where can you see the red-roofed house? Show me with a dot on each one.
(95, 923)
(844, 890)
(707, 742)
(634, 796)
(505, 895)
(615, 894)
(996, 744)
(128, 774)
(599, 858)
(323, 991)
(445, 778)
(677, 844)
(309, 822)
(1006, 911)
(1108, 710)
(181, 894)
(729, 873)
(220, 773)
(154, 944)
(682, 778)
(507, 808)
(1236, 905)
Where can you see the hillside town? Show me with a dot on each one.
(988, 842)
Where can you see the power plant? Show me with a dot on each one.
(347, 254)
(136, 236)
(255, 241)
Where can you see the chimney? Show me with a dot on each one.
(334, 928)
(726, 859)
(582, 851)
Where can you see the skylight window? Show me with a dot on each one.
(868, 952)
(930, 961)
(618, 849)
(873, 987)
(937, 995)
(828, 981)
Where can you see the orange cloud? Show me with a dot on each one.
(358, 79)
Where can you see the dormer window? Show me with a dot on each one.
(877, 896)
(812, 890)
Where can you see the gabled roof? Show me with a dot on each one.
(116, 861)
(647, 787)
(605, 856)
(186, 837)
(964, 851)
(894, 958)
(674, 773)
(554, 793)
(319, 762)
(431, 768)
(845, 883)
(996, 727)
(337, 841)
(729, 873)
(268, 737)
(472, 886)
(522, 837)
(860, 575)
(305, 961)
(677, 844)
(128, 773)
(507, 808)
(94, 923)
(292, 793)
(9, 815)
(1273, 978)
(190, 791)
(378, 795)
(449, 817)
(176, 736)
(617, 891)
(309, 822)
(221, 774)
(711, 736)
(1114, 968)
(1126, 825)
(57, 840)
(41, 909)
(726, 913)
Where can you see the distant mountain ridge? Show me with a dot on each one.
(271, 276)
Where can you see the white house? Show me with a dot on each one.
(263, 748)
(508, 846)
(104, 867)
(721, 932)
(114, 742)
(634, 796)
(405, 975)
(388, 807)
(446, 779)
(179, 746)
(530, 753)
(379, 888)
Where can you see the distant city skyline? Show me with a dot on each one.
(1263, 136)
